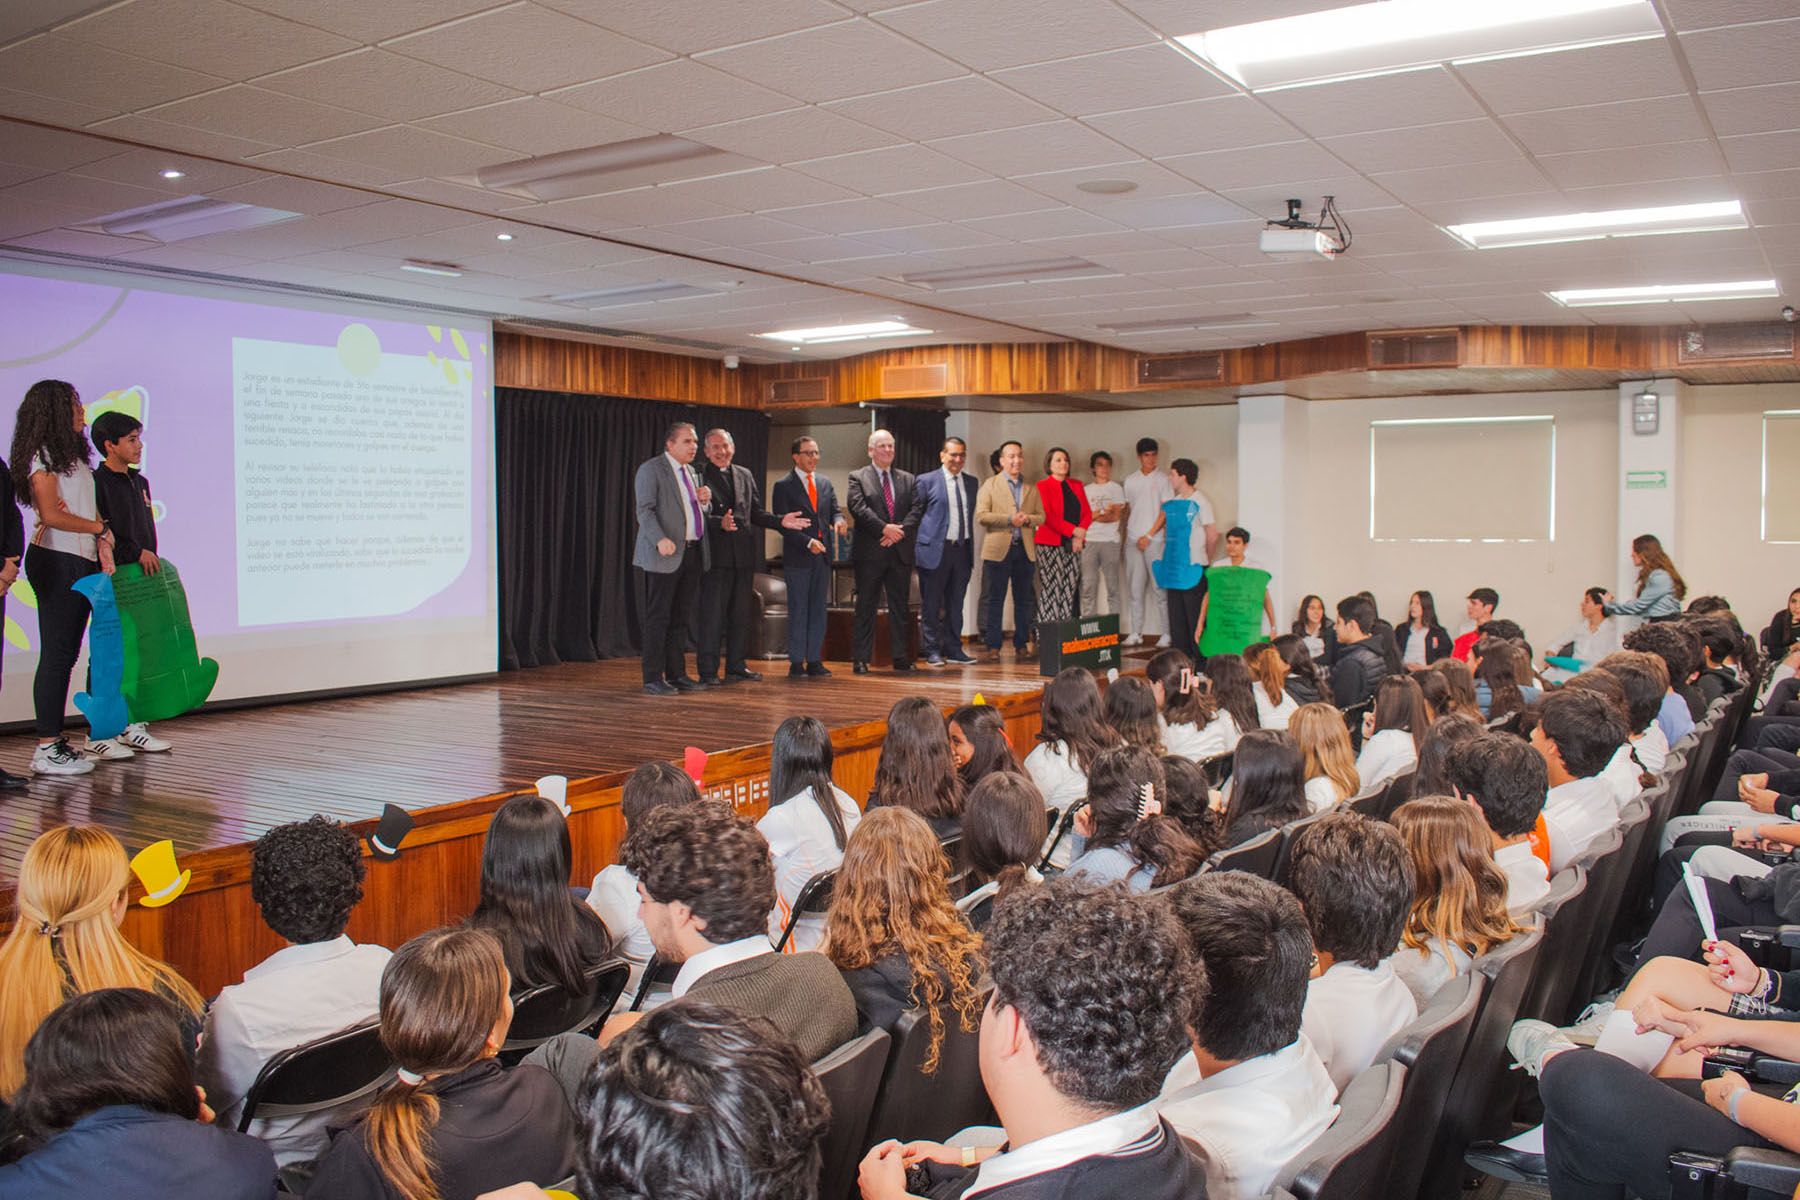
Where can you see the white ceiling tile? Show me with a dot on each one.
(528, 47)
(84, 198)
(49, 109)
(1768, 185)
(184, 258)
(533, 126)
(1256, 165)
(77, 241)
(1138, 77)
(1762, 151)
(1607, 126)
(1754, 109)
(743, 230)
(295, 195)
(988, 35)
(1449, 144)
(12, 173)
(761, 190)
(1196, 127)
(832, 62)
(1743, 55)
(183, 138)
(66, 69)
(894, 169)
(252, 112)
(1596, 75)
(854, 217)
(1703, 190)
(440, 191)
(387, 85)
(802, 133)
(331, 170)
(1195, 207)
(928, 239)
(414, 151)
(970, 104)
(675, 97)
(1670, 160)
(1354, 195)
(1379, 102)
(1429, 184)
(51, 149)
(370, 23)
(210, 36)
(143, 168)
(1151, 180)
(1033, 149)
(382, 220)
(690, 26)
(1038, 226)
(821, 249)
(621, 210)
(1687, 15)
(966, 201)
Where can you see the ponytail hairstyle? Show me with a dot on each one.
(1653, 557)
(442, 994)
(1324, 741)
(1233, 689)
(1187, 697)
(1115, 798)
(1300, 664)
(1072, 714)
(800, 761)
(1004, 827)
(1499, 670)
(1267, 668)
(1130, 708)
(1461, 679)
(1400, 705)
(64, 934)
(984, 729)
(1187, 797)
(1434, 689)
(1460, 896)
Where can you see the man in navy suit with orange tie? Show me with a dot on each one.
(945, 554)
(806, 555)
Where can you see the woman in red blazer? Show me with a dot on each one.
(1060, 538)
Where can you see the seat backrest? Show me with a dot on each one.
(1429, 1049)
(1218, 768)
(326, 1072)
(657, 970)
(1350, 1160)
(814, 898)
(911, 1104)
(543, 1012)
(1291, 833)
(850, 1075)
(1257, 856)
(1567, 915)
(772, 589)
(1062, 831)
(1609, 915)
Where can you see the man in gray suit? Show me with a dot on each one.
(671, 554)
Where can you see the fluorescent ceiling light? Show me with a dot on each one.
(1185, 324)
(419, 266)
(822, 334)
(1405, 35)
(1587, 226)
(616, 166)
(1049, 270)
(1667, 293)
(631, 293)
(186, 217)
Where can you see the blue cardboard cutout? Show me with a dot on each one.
(104, 707)
(1173, 571)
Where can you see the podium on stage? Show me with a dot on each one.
(1091, 642)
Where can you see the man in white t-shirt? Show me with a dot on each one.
(1103, 553)
(1145, 493)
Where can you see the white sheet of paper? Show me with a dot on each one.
(1696, 887)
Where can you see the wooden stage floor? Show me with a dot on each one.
(234, 774)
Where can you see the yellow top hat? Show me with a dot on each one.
(155, 868)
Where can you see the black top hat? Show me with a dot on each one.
(395, 824)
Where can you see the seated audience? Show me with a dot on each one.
(1432, 776)
(808, 822)
(1354, 880)
(915, 769)
(1234, 690)
(1723, 649)
(1092, 995)
(1318, 636)
(1458, 910)
(1359, 666)
(1071, 734)
(1305, 680)
(1004, 827)
(1422, 641)
(1384, 643)
(65, 940)
(1274, 706)
(1188, 798)
(1192, 722)
(1502, 671)
(1125, 834)
(1392, 733)
(305, 877)
(979, 745)
(1588, 640)
(1782, 633)
(894, 933)
(1481, 605)
(108, 1107)
(1460, 682)
(1268, 785)
(1669, 642)
(1252, 1093)
(1645, 681)
(614, 895)
(1507, 780)
(456, 1123)
(1577, 732)
(1130, 708)
(1434, 689)
(1624, 774)
(545, 933)
(1328, 764)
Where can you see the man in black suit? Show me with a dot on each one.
(886, 506)
(806, 555)
(733, 520)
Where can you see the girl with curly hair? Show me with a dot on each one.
(895, 934)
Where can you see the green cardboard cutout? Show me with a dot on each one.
(164, 675)
(1234, 609)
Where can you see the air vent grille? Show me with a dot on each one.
(1759, 340)
(799, 392)
(1415, 348)
(931, 379)
(1182, 368)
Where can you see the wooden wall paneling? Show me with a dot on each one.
(563, 365)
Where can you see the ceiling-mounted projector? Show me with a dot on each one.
(1295, 239)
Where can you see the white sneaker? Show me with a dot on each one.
(1531, 1042)
(1586, 1029)
(1136, 639)
(58, 759)
(137, 736)
(110, 749)
(1162, 643)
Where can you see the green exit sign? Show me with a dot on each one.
(1639, 481)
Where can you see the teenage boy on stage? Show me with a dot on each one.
(123, 496)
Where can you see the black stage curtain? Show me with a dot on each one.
(918, 436)
(567, 519)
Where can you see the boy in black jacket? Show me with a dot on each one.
(1360, 666)
(123, 497)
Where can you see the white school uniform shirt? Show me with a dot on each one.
(1099, 495)
(1425, 971)
(1274, 716)
(1576, 815)
(801, 844)
(1385, 756)
(1059, 778)
(1527, 878)
(295, 995)
(1653, 749)
(1321, 793)
(75, 488)
(1199, 743)
(1146, 494)
(1621, 775)
(1350, 1014)
(1111, 1135)
(1251, 1118)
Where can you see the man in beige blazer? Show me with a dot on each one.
(1009, 509)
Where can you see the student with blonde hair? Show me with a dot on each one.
(65, 941)
(1274, 707)
(1459, 907)
(1330, 764)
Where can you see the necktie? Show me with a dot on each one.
(887, 493)
(693, 499)
(812, 493)
(950, 486)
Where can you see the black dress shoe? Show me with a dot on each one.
(685, 684)
(958, 657)
(796, 671)
(746, 675)
(657, 687)
(905, 666)
(14, 783)
(817, 670)
(861, 668)
(1504, 1162)
(710, 681)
